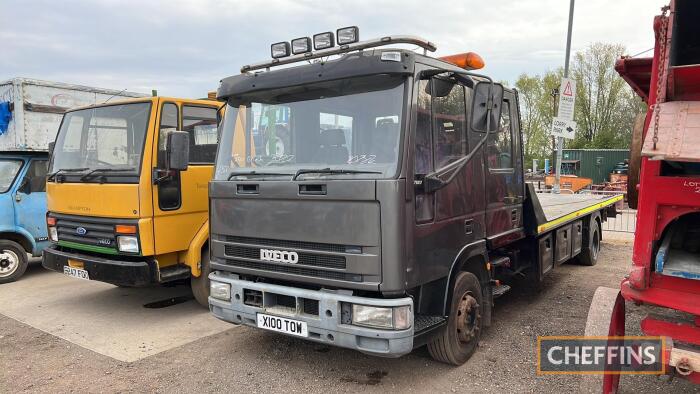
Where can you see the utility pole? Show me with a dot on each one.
(560, 140)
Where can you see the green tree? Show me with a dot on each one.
(605, 105)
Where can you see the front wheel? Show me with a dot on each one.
(200, 285)
(461, 337)
(13, 261)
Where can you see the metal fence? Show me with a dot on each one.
(624, 222)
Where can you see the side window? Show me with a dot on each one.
(200, 122)
(448, 122)
(424, 203)
(424, 141)
(500, 143)
(168, 123)
(37, 176)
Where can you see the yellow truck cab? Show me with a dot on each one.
(127, 192)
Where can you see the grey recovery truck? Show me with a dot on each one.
(377, 201)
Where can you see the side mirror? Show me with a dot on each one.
(429, 183)
(178, 150)
(480, 108)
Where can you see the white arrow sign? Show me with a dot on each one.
(564, 128)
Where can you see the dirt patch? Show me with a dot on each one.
(244, 359)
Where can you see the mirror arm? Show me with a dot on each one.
(454, 167)
(156, 175)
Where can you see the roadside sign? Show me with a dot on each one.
(567, 98)
(564, 128)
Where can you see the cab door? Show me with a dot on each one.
(504, 176)
(30, 202)
(449, 218)
(180, 200)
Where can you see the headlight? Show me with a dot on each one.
(279, 49)
(323, 40)
(347, 35)
(397, 318)
(220, 290)
(128, 243)
(53, 234)
(301, 45)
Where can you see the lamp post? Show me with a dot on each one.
(560, 140)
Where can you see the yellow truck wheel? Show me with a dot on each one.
(200, 285)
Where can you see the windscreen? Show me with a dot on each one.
(351, 127)
(108, 137)
(8, 172)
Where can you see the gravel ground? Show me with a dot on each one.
(243, 359)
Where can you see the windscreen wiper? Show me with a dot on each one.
(52, 175)
(99, 170)
(255, 173)
(302, 171)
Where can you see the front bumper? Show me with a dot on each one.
(324, 327)
(133, 273)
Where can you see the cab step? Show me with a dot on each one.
(175, 272)
(424, 327)
(424, 322)
(499, 290)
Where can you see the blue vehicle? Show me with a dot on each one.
(22, 211)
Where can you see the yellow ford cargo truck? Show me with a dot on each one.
(127, 192)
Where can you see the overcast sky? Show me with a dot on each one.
(184, 47)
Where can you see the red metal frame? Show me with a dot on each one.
(662, 199)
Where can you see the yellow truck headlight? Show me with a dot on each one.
(220, 290)
(128, 243)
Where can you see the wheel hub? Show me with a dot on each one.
(9, 262)
(468, 318)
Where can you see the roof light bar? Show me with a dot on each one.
(374, 43)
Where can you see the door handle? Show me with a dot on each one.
(18, 198)
(468, 226)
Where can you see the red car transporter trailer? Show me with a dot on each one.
(665, 276)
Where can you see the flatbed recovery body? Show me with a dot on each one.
(559, 209)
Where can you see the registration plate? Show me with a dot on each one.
(76, 272)
(281, 324)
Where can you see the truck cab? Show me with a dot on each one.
(391, 210)
(22, 210)
(127, 192)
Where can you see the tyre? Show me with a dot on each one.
(461, 337)
(591, 249)
(200, 285)
(13, 261)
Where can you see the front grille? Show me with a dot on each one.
(310, 307)
(94, 231)
(316, 260)
(287, 244)
(286, 301)
(295, 270)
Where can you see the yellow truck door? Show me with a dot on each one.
(180, 200)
